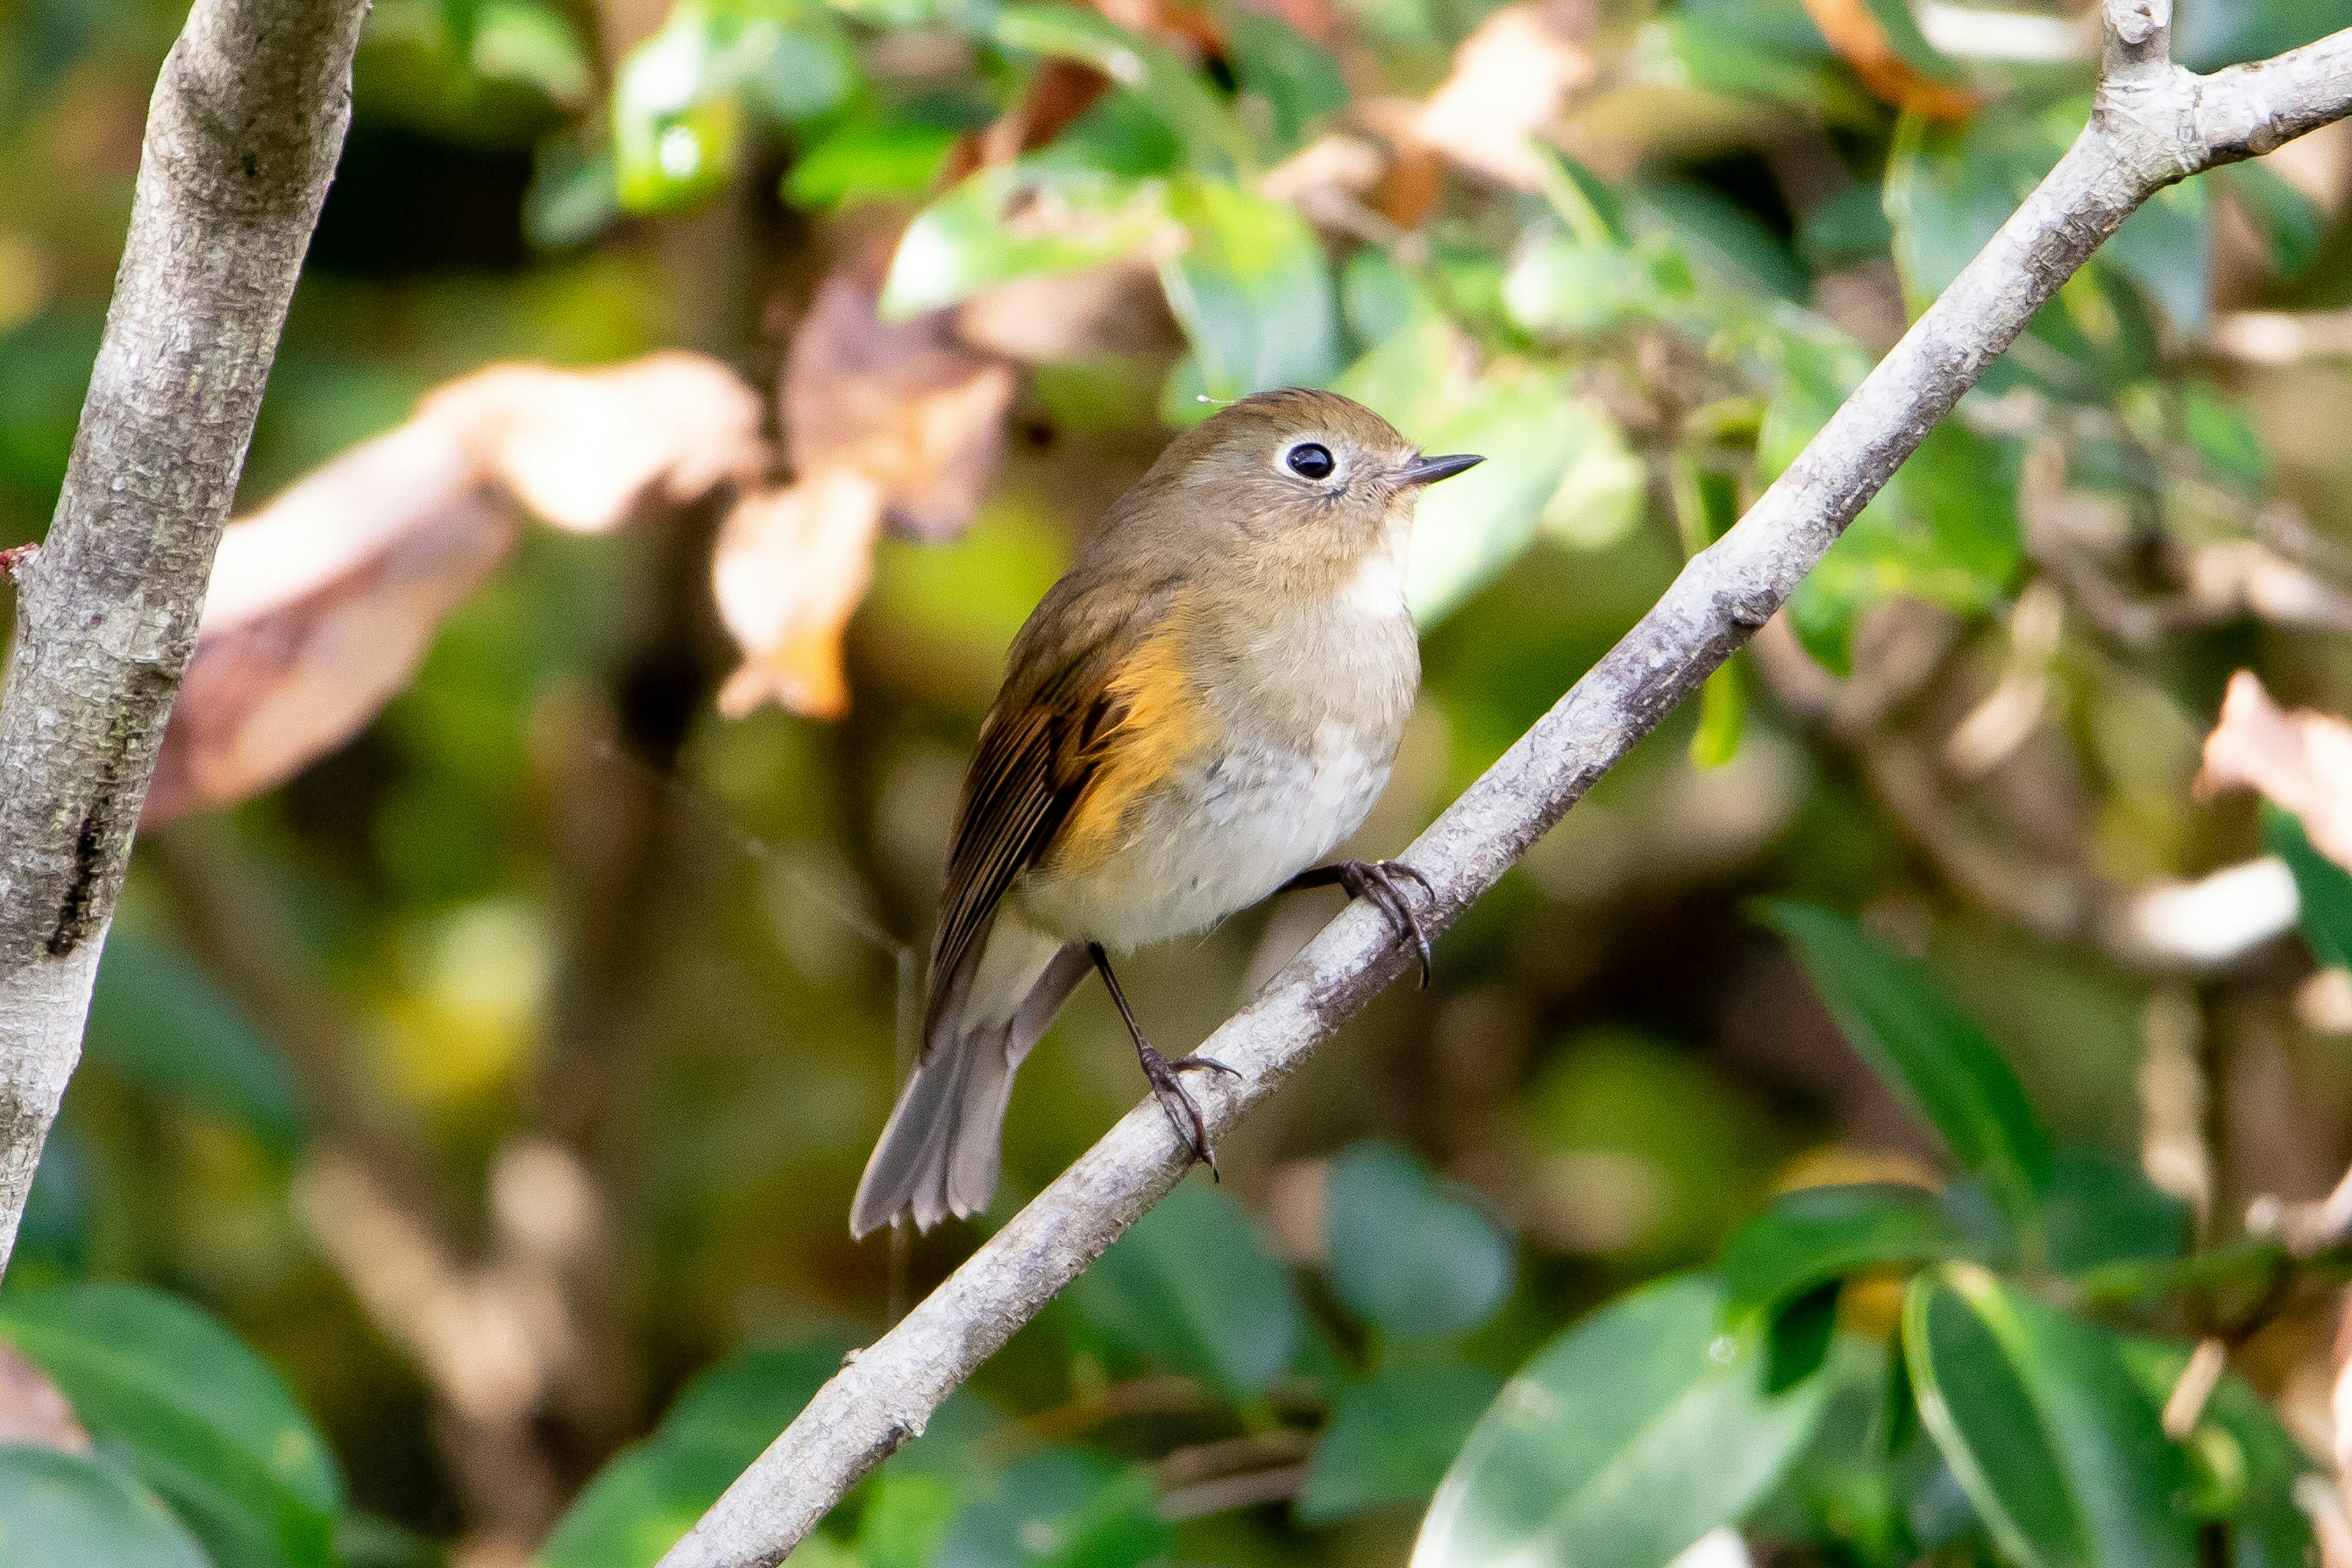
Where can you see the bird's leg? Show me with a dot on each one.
(1376, 881)
(1165, 1076)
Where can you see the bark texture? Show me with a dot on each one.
(243, 133)
(2152, 124)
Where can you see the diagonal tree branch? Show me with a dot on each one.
(242, 136)
(2152, 123)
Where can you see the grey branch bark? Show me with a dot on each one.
(243, 133)
(2152, 123)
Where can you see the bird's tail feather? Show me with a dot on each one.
(939, 1153)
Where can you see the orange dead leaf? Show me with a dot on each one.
(1855, 33)
(790, 566)
(2301, 761)
(910, 404)
(1510, 79)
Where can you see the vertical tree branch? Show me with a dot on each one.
(2151, 124)
(243, 133)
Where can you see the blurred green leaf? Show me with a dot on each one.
(1214, 141)
(679, 98)
(1722, 715)
(2224, 442)
(199, 1417)
(1192, 1285)
(651, 1493)
(1016, 220)
(1818, 1233)
(1724, 241)
(1254, 293)
(2322, 887)
(1297, 82)
(2101, 1211)
(1390, 1441)
(1553, 460)
(2211, 34)
(1902, 31)
(1408, 1257)
(1565, 286)
(864, 161)
(159, 1022)
(2053, 1441)
(2291, 224)
(1684, 49)
(1064, 1507)
(60, 1511)
(2167, 247)
(1622, 1442)
(1926, 1050)
(523, 41)
(572, 198)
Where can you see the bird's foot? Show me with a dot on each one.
(1380, 882)
(1183, 1112)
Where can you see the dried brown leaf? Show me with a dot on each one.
(1511, 78)
(908, 405)
(790, 566)
(2301, 761)
(321, 607)
(587, 449)
(1115, 308)
(35, 1410)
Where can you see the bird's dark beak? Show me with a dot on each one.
(1429, 470)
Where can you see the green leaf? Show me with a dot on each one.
(1390, 1441)
(572, 196)
(678, 101)
(1622, 1442)
(1563, 287)
(1926, 1050)
(2291, 224)
(1722, 714)
(522, 41)
(61, 1511)
(1036, 215)
(200, 1417)
(2056, 1444)
(1554, 461)
(1192, 1285)
(651, 1493)
(1213, 141)
(1945, 529)
(1063, 1508)
(1820, 1233)
(1254, 293)
(161, 1022)
(1296, 82)
(866, 161)
(2324, 887)
(1408, 1257)
(1684, 49)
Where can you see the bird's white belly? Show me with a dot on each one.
(1237, 827)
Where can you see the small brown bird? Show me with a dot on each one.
(1203, 708)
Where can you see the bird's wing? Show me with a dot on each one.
(1041, 748)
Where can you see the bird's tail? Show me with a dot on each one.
(938, 1154)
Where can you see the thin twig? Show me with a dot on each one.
(2151, 125)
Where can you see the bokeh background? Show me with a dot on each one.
(509, 983)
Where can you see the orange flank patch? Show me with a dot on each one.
(1162, 721)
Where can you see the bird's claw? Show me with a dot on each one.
(1377, 881)
(1183, 1112)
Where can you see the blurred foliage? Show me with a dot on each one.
(458, 1167)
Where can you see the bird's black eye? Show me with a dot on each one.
(1311, 460)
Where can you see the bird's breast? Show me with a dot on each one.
(1299, 717)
